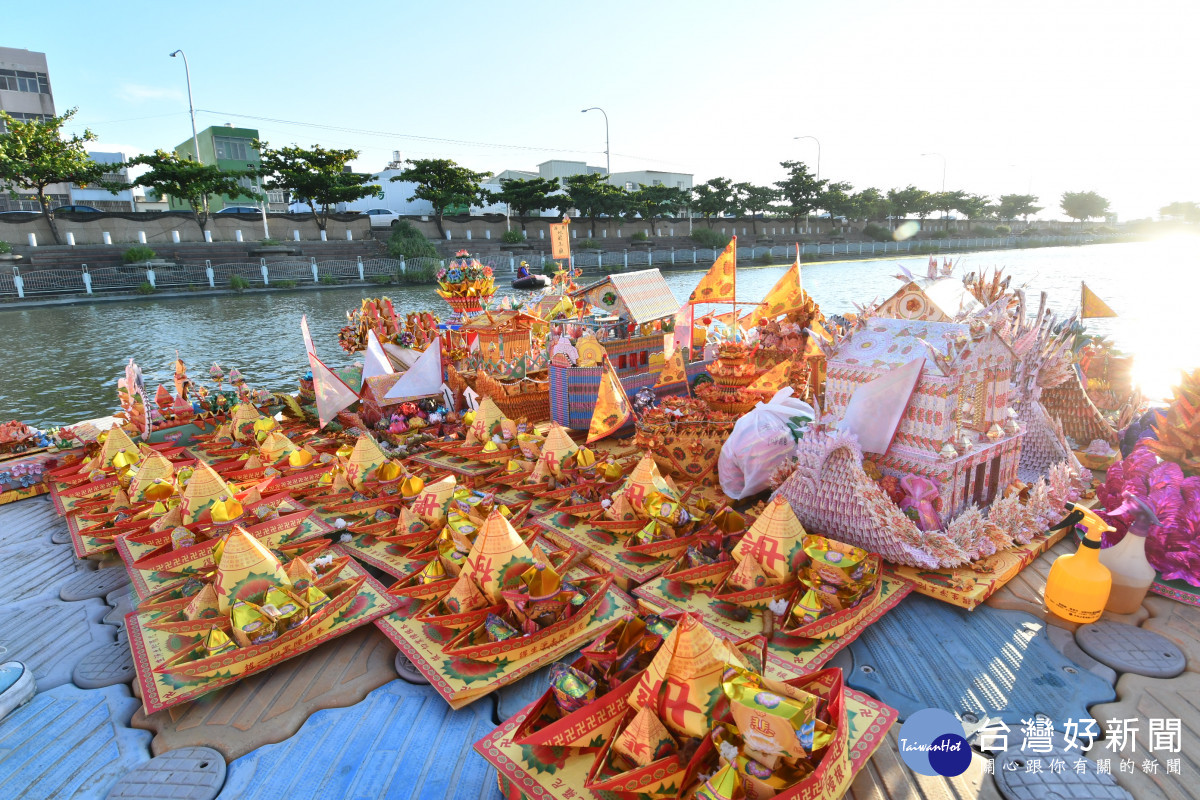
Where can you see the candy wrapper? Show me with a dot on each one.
(774, 719)
(572, 689)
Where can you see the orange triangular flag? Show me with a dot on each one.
(1091, 305)
(720, 284)
(786, 295)
(612, 406)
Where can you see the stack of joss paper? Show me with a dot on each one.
(651, 510)
(835, 579)
(696, 721)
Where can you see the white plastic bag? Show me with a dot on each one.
(762, 439)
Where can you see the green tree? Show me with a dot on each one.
(1011, 206)
(188, 181)
(909, 201)
(838, 201)
(800, 191)
(870, 204)
(34, 155)
(1184, 210)
(756, 200)
(444, 184)
(1083, 205)
(713, 198)
(316, 175)
(653, 202)
(972, 206)
(592, 195)
(526, 196)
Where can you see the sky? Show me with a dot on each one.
(1018, 97)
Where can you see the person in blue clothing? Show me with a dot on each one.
(523, 271)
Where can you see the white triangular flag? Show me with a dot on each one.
(376, 362)
(333, 394)
(423, 378)
(308, 342)
(876, 407)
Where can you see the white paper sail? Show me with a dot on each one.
(332, 393)
(423, 378)
(376, 362)
(308, 342)
(876, 407)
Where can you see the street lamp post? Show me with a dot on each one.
(943, 158)
(607, 152)
(187, 72)
(818, 141)
(266, 201)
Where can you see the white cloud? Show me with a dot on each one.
(137, 93)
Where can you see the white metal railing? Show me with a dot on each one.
(129, 277)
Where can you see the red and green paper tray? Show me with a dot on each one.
(558, 773)
(166, 683)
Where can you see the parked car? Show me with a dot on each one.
(240, 210)
(78, 209)
(382, 217)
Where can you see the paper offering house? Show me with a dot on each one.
(954, 426)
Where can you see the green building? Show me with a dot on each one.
(230, 149)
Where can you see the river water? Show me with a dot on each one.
(60, 363)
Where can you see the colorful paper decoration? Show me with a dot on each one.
(786, 295)
(376, 362)
(498, 557)
(774, 539)
(674, 371)
(423, 378)
(244, 568)
(203, 490)
(773, 379)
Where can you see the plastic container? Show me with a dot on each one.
(1078, 586)
(1132, 574)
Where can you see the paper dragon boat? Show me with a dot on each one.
(253, 614)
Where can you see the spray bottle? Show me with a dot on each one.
(1131, 572)
(1078, 585)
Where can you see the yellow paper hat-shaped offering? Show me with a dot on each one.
(204, 604)
(364, 459)
(644, 481)
(464, 596)
(115, 443)
(388, 471)
(430, 504)
(747, 575)
(542, 580)
(275, 447)
(226, 510)
(690, 662)
(557, 448)
(773, 539)
(245, 568)
(242, 423)
(411, 486)
(645, 739)
(498, 557)
(154, 467)
(487, 421)
(202, 492)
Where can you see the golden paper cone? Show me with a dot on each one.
(205, 604)
(430, 505)
(242, 423)
(408, 522)
(644, 480)
(487, 422)
(645, 739)
(773, 539)
(300, 571)
(620, 509)
(172, 519)
(275, 447)
(683, 681)
(152, 466)
(542, 580)
(748, 574)
(497, 557)
(116, 442)
(245, 568)
(365, 459)
(464, 596)
(202, 491)
(557, 448)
